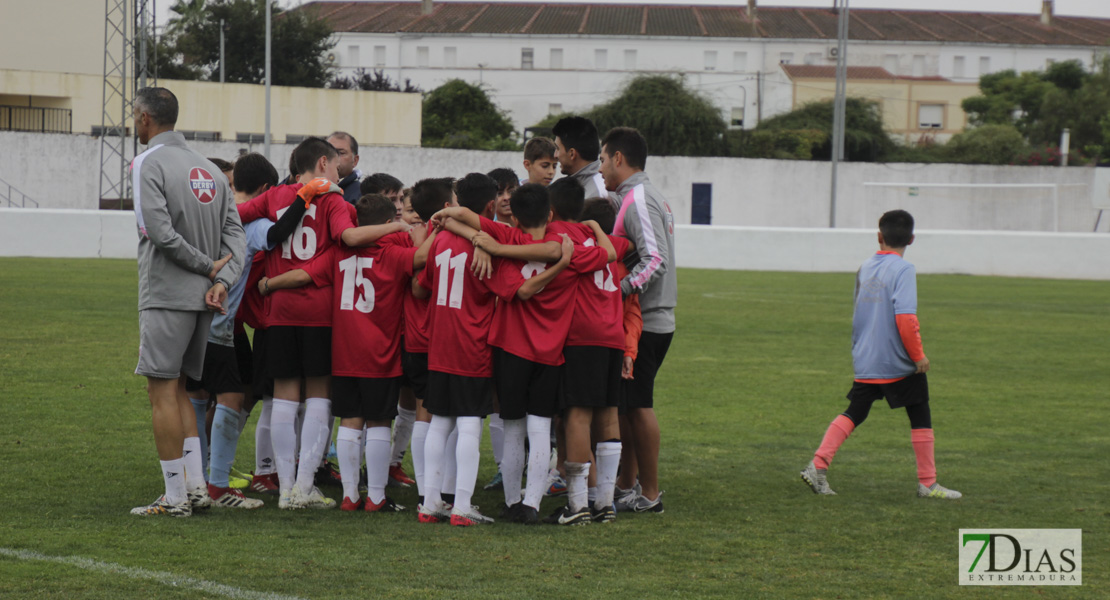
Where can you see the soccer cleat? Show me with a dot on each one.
(349, 505)
(239, 480)
(285, 501)
(313, 499)
(231, 498)
(553, 518)
(265, 484)
(581, 517)
(327, 474)
(161, 507)
(816, 479)
(937, 491)
(386, 505)
(433, 514)
(496, 483)
(558, 485)
(642, 504)
(607, 514)
(521, 513)
(468, 518)
(398, 478)
(625, 499)
(199, 498)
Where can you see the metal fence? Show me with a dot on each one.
(11, 197)
(35, 118)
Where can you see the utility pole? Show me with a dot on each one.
(839, 103)
(223, 28)
(269, 77)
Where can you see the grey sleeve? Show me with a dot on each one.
(233, 239)
(652, 249)
(157, 225)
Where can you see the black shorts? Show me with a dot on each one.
(262, 384)
(221, 371)
(592, 377)
(373, 399)
(458, 396)
(295, 352)
(904, 392)
(525, 387)
(640, 392)
(415, 366)
(245, 358)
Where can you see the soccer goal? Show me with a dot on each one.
(977, 206)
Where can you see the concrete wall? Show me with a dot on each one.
(111, 234)
(60, 36)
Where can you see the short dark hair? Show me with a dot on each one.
(308, 153)
(159, 103)
(539, 147)
(374, 209)
(578, 133)
(380, 183)
(506, 179)
(567, 198)
(293, 170)
(221, 164)
(897, 228)
(531, 204)
(252, 171)
(350, 138)
(602, 211)
(429, 196)
(630, 143)
(476, 191)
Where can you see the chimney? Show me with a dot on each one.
(751, 10)
(1046, 12)
(426, 7)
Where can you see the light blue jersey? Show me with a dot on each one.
(886, 285)
(222, 331)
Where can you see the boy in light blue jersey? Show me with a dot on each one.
(888, 358)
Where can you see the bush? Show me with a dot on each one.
(987, 145)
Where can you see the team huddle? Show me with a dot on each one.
(410, 315)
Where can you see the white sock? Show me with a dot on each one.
(402, 434)
(173, 472)
(576, 485)
(315, 437)
(591, 494)
(377, 463)
(419, 438)
(438, 431)
(349, 453)
(467, 454)
(450, 463)
(608, 455)
(539, 456)
(263, 445)
(497, 438)
(194, 466)
(283, 437)
(512, 458)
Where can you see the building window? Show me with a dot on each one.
(450, 56)
(890, 63)
(740, 61)
(737, 119)
(984, 65)
(526, 59)
(630, 60)
(958, 66)
(930, 116)
(601, 59)
(918, 65)
(554, 109)
(352, 56)
(422, 56)
(710, 60)
(813, 58)
(379, 56)
(786, 58)
(556, 58)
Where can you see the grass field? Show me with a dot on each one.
(759, 366)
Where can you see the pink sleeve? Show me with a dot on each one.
(909, 329)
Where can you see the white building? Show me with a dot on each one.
(539, 59)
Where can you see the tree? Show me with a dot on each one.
(674, 119)
(988, 144)
(865, 138)
(375, 81)
(458, 114)
(186, 13)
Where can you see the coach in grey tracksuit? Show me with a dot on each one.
(592, 182)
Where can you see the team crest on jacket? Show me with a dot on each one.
(202, 184)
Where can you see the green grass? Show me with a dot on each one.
(758, 368)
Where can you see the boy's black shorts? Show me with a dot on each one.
(415, 367)
(458, 395)
(220, 373)
(244, 356)
(525, 387)
(904, 392)
(261, 384)
(373, 399)
(640, 392)
(592, 377)
(295, 352)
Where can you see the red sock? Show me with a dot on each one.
(838, 431)
(923, 448)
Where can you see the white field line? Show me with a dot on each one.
(169, 579)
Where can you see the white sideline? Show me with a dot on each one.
(169, 579)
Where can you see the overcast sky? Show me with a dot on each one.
(1090, 8)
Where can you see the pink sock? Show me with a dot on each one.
(923, 448)
(838, 431)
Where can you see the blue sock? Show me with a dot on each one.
(200, 408)
(225, 438)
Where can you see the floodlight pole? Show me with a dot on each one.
(839, 103)
(222, 30)
(269, 76)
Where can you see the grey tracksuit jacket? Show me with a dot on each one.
(645, 218)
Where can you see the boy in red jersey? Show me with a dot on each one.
(888, 358)
(368, 288)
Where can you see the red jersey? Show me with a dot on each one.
(536, 329)
(460, 310)
(416, 309)
(320, 228)
(367, 288)
(598, 309)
